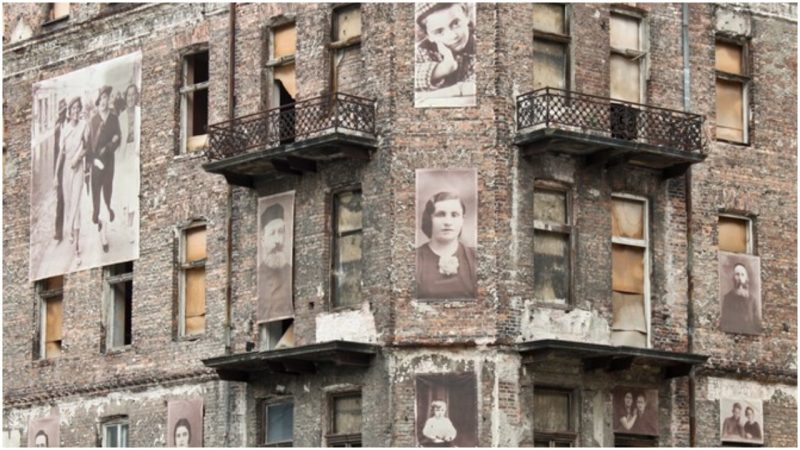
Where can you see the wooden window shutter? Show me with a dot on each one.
(284, 41)
(732, 235)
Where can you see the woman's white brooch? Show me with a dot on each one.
(448, 265)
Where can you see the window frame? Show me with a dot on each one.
(109, 280)
(183, 266)
(44, 296)
(332, 306)
(639, 243)
(51, 17)
(184, 91)
(341, 46)
(273, 62)
(333, 439)
(119, 422)
(557, 38)
(749, 231)
(642, 54)
(745, 79)
(567, 228)
(573, 414)
(263, 428)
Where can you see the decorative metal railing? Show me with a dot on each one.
(611, 118)
(285, 124)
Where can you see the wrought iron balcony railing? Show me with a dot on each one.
(601, 116)
(274, 127)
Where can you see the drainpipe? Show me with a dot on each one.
(227, 387)
(687, 106)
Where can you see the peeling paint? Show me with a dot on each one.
(598, 414)
(352, 325)
(575, 325)
(718, 388)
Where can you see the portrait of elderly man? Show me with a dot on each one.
(741, 303)
(275, 257)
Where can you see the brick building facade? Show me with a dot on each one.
(540, 371)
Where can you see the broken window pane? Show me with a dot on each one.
(549, 17)
(624, 31)
(732, 234)
(284, 40)
(730, 110)
(551, 411)
(347, 414)
(551, 267)
(550, 64)
(286, 76)
(625, 78)
(627, 218)
(346, 23)
(550, 206)
(627, 269)
(729, 58)
(280, 423)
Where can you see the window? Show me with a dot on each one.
(628, 55)
(551, 243)
(550, 46)
(119, 297)
(735, 234)
(279, 424)
(194, 101)
(630, 268)
(58, 11)
(284, 82)
(192, 281)
(115, 433)
(732, 91)
(553, 418)
(51, 295)
(345, 424)
(347, 65)
(276, 335)
(347, 258)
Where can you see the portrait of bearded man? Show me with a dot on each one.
(275, 260)
(741, 306)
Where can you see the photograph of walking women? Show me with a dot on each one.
(85, 168)
(447, 233)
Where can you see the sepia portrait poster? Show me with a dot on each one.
(446, 233)
(185, 423)
(635, 411)
(85, 168)
(740, 293)
(741, 420)
(444, 57)
(275, 243)
(44, 432)
(447, 410)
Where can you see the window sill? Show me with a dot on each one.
(345, 308)
(119, 350)
(53, 22)
(552, 305)
(190, 155)
(43, 362)
(729, 142)
(190, 337)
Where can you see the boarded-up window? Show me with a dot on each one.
(51, 295)
(119, 298)
(58, 11)
(347, 62)
(347, 241)
(282, 80)
(194, 100)
(553, 418)
(551, 245)
(627, 58)
(279, 424)
(731, 85)
(550, 46)
(193, 281)
(734, 234)
(629, 272)
(345, 421)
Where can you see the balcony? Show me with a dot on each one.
(608, 132)
(292, 138)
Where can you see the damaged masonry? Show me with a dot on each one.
(399, 225)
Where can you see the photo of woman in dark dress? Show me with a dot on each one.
(445, 265)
